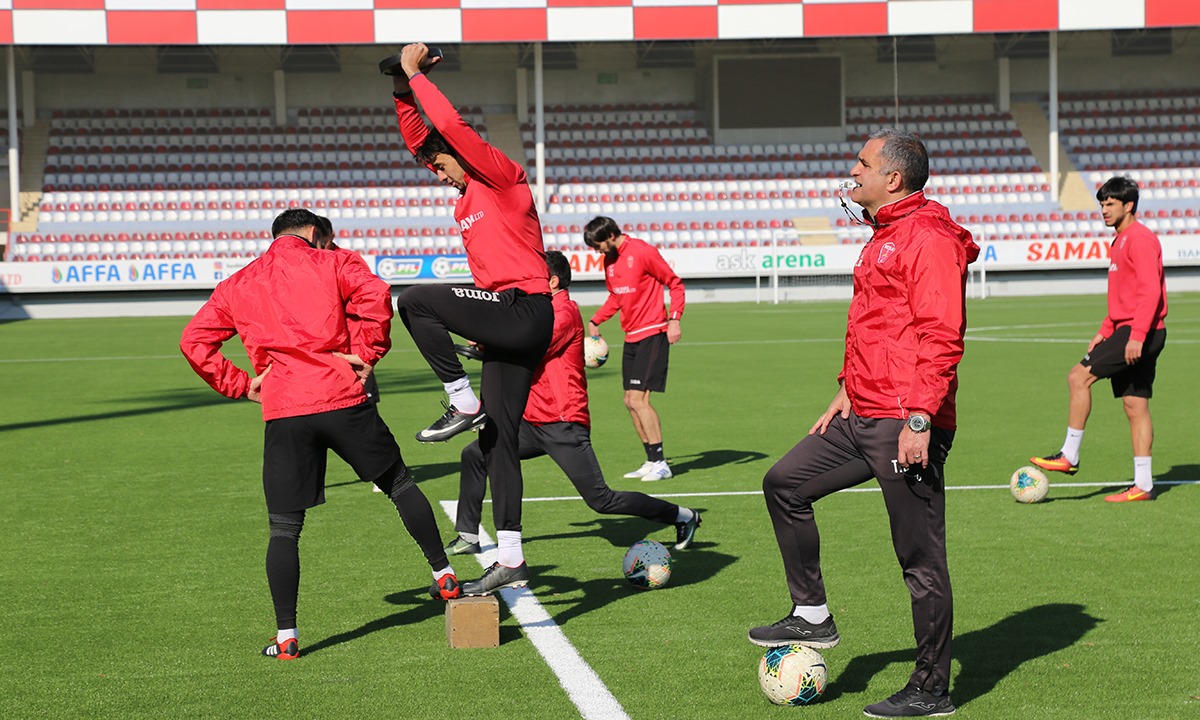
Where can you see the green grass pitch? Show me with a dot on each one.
(133, 533)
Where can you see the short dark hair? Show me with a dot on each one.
(1119, 188)
(294, 219)
(324, 232)
(559, 267)
(599, 229)
(904, 152)
(433, 146)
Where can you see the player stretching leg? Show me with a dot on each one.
(508, 312)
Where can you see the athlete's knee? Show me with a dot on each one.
(637, 399)
(286, 525)
(402, 482)
(1081, 376)
(603, 501)
(472, 454)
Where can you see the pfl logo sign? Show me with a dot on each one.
(448, 267)
(398, 268)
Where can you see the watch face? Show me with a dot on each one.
(916, 423)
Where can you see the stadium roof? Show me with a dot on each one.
(348, 22)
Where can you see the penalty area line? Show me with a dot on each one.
(581, 683)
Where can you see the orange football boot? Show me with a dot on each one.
(1133, 494)
(1055, 462)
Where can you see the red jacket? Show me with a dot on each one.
(500, 227)
(904, 336)
(1137, 289)
(559, 391)
(635, 281)
(293, 308)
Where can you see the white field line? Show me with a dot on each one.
(777, 341)
(736, 493)
(577, 678)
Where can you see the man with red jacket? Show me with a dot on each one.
(635, 273)
(1126, 348)
(508, 312)
(557, 423)
(893, 417)
(293, 308)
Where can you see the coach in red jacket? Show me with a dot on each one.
(892, 418)
(635, 274)
(293, 309)
(508, 312)
(557, 424)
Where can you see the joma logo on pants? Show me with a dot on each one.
(477, 294)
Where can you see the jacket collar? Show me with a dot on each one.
(893, 211)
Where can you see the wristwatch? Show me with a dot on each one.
(918, 423)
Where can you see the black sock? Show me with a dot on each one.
(654, 452)
(649, 455)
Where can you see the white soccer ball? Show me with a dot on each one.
(1029, 485)
(792, 675)
(595, 351)
(647, 565)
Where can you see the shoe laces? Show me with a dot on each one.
(906, 695)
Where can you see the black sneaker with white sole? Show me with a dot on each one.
(912, 701)
(685, 532)
(496, 577)
(793, 630)
(451, 423)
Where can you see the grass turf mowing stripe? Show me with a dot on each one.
(577, 678)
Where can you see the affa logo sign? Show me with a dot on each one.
(111, 273)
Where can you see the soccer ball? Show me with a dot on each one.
(647, 565)
(1029, 485)
(792, 675)
(595, 351)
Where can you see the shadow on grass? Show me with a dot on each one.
(567, 598)
(419, 607)
(167, 402)
(429, 471)
(620, 530)
(1163, 484)
(714, 458)
(987, 655)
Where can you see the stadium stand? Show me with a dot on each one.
(176, 184)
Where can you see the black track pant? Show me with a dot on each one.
(849, 453)
(570, 446)
(514, 329)
(283, 549)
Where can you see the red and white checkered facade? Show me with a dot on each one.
(345, 22)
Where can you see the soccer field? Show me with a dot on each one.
(134, 531)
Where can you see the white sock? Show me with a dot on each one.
(285, 635)
(508, 548)
(462, 397)
(1142, 476)
(812, 613)
(439, 574)
(1070, 448)
(684, 515)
